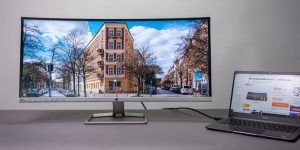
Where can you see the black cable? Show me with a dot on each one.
(144, 105)
(195, 110)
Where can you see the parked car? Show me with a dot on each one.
(70, 94)
(152, 90)
(62, 91)
(175, 89)
(186, 90)
(33, 93)
(166, 88)
(44, 91)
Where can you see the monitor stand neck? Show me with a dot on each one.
(117, 116)
(118, 108)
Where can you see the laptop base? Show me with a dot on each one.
(284, 136)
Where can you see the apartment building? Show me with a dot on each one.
(111, 46)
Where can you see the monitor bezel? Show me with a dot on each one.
(110, 99)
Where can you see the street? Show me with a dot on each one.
(166, 93)
(54, 93)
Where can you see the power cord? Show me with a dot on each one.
(144, 105)
(195, 110)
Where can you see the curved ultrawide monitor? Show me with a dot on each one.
(101, 59)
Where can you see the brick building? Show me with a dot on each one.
(110, 46)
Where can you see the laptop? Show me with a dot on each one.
(264, 104)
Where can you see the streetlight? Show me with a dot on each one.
(78, 86)
(144, 87)
(151, 88)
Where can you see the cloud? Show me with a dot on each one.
(164, 42)
(54, 30)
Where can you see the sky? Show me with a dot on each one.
(162, 37)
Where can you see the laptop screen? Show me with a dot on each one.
(273, 94)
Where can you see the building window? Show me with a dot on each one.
(115, 84)
(119, 33)
(118, 84)
(111, 45)
(111, 33)
(119, 45)
(110, 71)
(119, 58)
(119, 71)
(110, 57)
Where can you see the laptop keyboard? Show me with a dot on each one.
(260, 125)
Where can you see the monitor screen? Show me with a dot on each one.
(274, 94)
(105, 58)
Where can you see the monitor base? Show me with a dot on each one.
(108, 118)
(118, 116)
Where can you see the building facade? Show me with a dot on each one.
(110, 47)
(194, 60)
(182, 74)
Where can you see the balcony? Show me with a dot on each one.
(100, 51)
(100, 63)
(100, 76)
(114, 76)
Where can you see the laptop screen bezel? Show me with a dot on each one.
(264, 117)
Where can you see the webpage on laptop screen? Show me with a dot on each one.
(266, 94)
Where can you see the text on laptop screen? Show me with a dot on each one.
(266, 94)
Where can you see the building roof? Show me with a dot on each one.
(108, 22)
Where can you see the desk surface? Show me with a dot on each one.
(167, 129)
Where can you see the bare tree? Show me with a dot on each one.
(65, 74)
(194, 47)
(73, 46)
(167, 81)
(32, 42)
(150, 74)
(34, 75)
(85, 63)
(140, 64)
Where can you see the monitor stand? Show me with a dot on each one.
(118, 116)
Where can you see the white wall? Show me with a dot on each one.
(245, 35)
